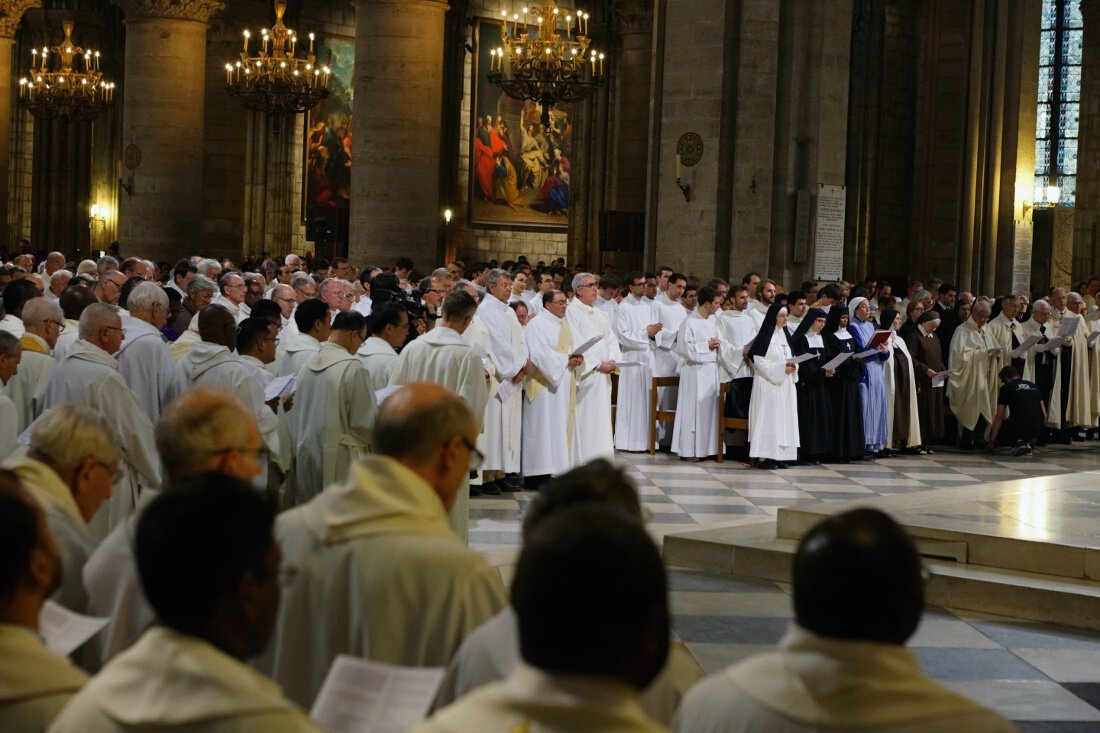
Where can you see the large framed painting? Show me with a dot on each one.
(519, 172)
(327, 149)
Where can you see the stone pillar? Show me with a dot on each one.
(162, 126)
(11, 12)
(395, 209)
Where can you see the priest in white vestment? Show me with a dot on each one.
(444, 357)
(389, 329)
(773, 408)
(314, 324)
(592, 428)
(670, 312)
(975, 361)
(503, 412)
(550, 391)
(215, 602)
(144, 360)
(232, 289)
(67, 469)
(35, 683)
(372, 563)
(1071, 404)
(636, 327)
(334, 413)
(88, 376)
(27, 389)
(843, 664)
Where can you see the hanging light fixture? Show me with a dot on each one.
(275, 79)
(543, 64)
(66, 92)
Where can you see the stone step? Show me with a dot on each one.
(755, 551)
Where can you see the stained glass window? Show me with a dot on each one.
(1059, 111)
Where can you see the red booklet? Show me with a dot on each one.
(879, 339)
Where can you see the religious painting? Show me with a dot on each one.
(327, 150)
(519, 172)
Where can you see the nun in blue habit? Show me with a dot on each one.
(872, 387)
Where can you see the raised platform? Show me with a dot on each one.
(1028, 548)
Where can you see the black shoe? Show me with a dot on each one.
(781, 465)
(475, 490)
(869, 457)
(491, 489)
(766, 464)
(1021, 448)
(512, 482)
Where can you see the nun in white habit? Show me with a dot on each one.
(773, 409)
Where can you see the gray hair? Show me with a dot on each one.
(578, 279)
(205, 267)
(922, 295)
(68, 434)
(9, 344)
(40, 310)
(96, 317)
(60, 275)
(197, 425)
(105, 263)
(441, 273)
(254, 276)
(201, 284)
(494, 275)
(1040, 305)
(144, 296)
(299, 279)
(1074, 296)
(981, 305)
(331, 281)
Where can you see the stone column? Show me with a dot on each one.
(395, 209)
(11, 12)
(162, 126)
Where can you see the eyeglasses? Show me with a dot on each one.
(476, 456)
(262, 453)
(588, 285)
(121, 331)
(60, 325)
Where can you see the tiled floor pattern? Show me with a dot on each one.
(1044, 677)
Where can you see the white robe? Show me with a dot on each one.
(443, 356)
(738, 328)
(238, 311)
(610, 309)
(146, 364)
(12, 325)
(298, 350)
(491, 653)
(695, 432)
(773, 408)
(635, 383)
(371, 569)
(331, 421)
(551, 397)
(27, 388)
(972, 389)
(814, 684)
(503, 419)
(88, 376)
(35, 684)
(66, 339)
(532, 700)
(9, 427)
(379, 359)
(666, 362)
(592, 436)
(170, 681)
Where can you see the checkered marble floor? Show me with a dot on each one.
(1046, 678)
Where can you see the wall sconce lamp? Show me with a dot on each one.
(448, 215)
(98, 215)
(1046, 197)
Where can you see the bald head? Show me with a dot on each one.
(857, 576)
(203, 430)
(217, 326)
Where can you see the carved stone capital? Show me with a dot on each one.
(196, 10)
(11, 12)
(633, 16)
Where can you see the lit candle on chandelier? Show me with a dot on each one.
(247, 35)
(568, 25)
(229, 74)
(311, 37)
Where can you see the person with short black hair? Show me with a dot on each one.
(1020, 415)
(314, 324)
(215, 602)
(389, 329)
(843, 664)
(585, 662)
(398, 586)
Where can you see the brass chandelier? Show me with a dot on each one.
(275, 79)
(543, 64)
(65, 93)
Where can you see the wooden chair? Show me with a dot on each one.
(726, 423)
(656, 415)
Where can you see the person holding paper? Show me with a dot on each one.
(332, 424)
(872, 386)
(971, 389)
(844, 393)
(582, 671)
(504, 410)
(670, 312)
(924, 348)
(1071, 400)
(551, 390)
(815, 412)
(35, 684)
(372, 567)
(773, 409)
(699, 344)
(215, 603)
(592, 437)
(901, 389)
(1005, 330)
(637, 328)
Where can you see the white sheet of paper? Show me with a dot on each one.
(1069, 326)
(1050, 345)
(506, 390)
(587, 345)
(65, 631)
(799, 359)
(994, 350)
(382, 394)
(837, 360)
(359, 696)
(621, 364)
(1025, 346)
(938, 381)
(865, 354)
(280, 387)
